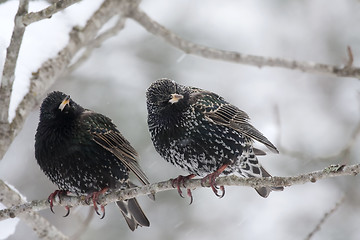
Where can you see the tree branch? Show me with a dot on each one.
(40, 225)
(47, 12)
(212, 53)
(324, 218)
(331, 171)
(12, 54)
(119, 25)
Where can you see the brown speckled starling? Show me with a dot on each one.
(82, 152)
(200, 132)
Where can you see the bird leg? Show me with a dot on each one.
(95, 196)
(212, 177)
(53, 196)
(180, 181)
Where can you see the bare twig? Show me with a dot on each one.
(332, 171)
(324, 218)
(212, 53)
(119, 25)
(47, 12)
(40, 225)
(12, 54)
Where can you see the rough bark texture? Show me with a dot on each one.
(331, 171)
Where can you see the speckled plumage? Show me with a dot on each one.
(200, 132)
(83, 152)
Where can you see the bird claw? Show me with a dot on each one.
(103, 210)
(213, 186)
(180, 181)
(190, 195)
(176, 184)
(95, 196)
(222, 189)
(212, 181)
(96, 210)
(53, 196)
(68, 211)
(87, 200)
(215, 190)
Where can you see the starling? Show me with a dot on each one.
(200, 132)
(82, 152)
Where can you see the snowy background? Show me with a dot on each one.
(317, 113)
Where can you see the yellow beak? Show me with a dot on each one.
(175, 98)
(65, 102)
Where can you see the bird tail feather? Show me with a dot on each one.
(265, 191)
(254, 169)
(133, 213)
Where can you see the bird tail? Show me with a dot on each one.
(265, 191)
(252, 168)
(133, 213)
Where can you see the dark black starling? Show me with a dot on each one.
(82, 152)
(201, 133)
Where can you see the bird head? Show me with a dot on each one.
(166, 95)
(59, 106)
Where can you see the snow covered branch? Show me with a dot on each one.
(40, 225)
(212, 53)
(12, 54)
(331, 171)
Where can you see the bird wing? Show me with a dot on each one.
(218, 111)
(115, 143)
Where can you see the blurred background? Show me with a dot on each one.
(311, 118)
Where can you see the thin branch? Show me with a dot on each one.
(40, 225)
(324, 218)
(332, 171)
(47, 12)
(12, 54)
(119, 25)
(212, 53)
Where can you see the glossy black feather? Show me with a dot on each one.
(82, 151)
(199, 131)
